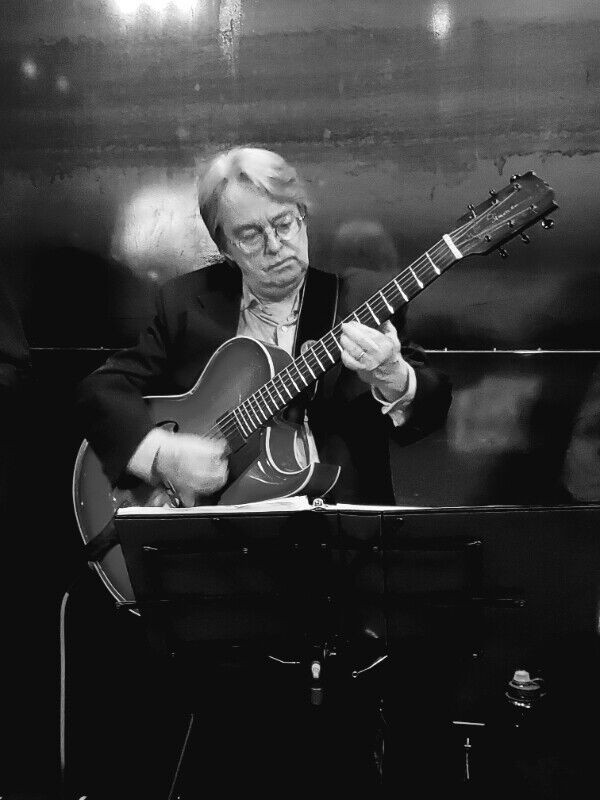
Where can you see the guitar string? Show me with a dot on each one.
(419, 268)
(377, 303)
(230, 425)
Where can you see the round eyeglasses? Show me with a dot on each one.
(284, 229)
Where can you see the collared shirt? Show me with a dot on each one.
(274, 323)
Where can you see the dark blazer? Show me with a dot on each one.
(196, 313)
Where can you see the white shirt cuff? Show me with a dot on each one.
(140, 463)
(399, 410)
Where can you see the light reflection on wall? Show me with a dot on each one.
(29, 68)
(494, 415)
(230, 28)
(132, 6)
(440, 22)
(159, 232)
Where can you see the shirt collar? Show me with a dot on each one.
(276, 312)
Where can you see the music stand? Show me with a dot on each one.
(304, 584)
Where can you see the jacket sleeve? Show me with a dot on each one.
(428, 410)
(110, 406)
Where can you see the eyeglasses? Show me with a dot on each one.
(284, 229)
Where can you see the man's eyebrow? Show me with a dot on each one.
(279, 216)
(254, 226)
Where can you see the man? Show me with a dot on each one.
(255, 208)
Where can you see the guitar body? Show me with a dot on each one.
(265, 467)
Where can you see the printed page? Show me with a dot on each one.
(295, 503)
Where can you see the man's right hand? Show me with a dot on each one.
(191, 465)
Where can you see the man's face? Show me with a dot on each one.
(277, 268)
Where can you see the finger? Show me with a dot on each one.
(159, 498)
(389, 329)
(351, 348)
(366, 338)
(187, 497)
(218, 446)
(351, 363)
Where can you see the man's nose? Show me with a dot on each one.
(272, 241)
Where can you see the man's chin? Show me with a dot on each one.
(284, 286)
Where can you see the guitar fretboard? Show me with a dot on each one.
(273, 396)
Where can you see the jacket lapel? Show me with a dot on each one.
(219, 301)
(319, 307)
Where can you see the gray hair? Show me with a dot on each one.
(266, 171)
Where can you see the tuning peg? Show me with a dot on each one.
(503, 252)
(514, 178)
(525, 238)
(492, 193)
(547, 223)
(471, 208)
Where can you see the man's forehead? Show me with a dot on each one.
(242, 205)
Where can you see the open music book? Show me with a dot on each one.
(295, 503)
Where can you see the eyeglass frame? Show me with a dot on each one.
(299, 217)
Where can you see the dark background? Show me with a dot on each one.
(398, 115)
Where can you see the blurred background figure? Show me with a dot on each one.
(581, 473)
(364, 244)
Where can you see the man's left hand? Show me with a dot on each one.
(374, 354)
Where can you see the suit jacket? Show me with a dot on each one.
(197, 312)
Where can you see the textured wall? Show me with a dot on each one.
(398, 115)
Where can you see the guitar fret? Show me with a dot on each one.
(389, 307)
(317, 357)
(331, 358)
(278, 392)
(292, 379)
(265, 388)
(240, 422)
(414, 274)
(256, 398)
(308, 367)
(400, 289)
(373, 314)
(243, 423)
(274, 399)
(304, 381)
(431, 261)
(285, 387)
(234, 414)
(251, 410)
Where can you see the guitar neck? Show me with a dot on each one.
(273, 396)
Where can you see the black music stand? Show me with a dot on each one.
(303, 585)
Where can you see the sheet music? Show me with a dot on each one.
(287, 504)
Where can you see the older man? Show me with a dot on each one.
(255, 208)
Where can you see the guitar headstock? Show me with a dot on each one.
(505, 214)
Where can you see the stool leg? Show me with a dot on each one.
(181, 757)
